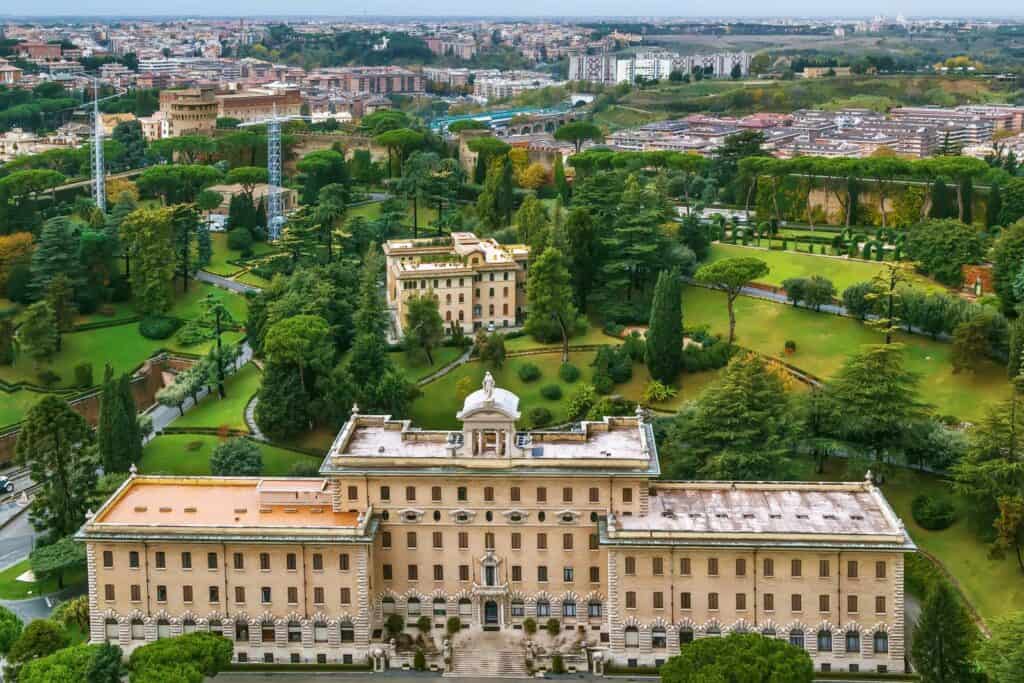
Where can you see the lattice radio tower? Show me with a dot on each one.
(275, 214)
(99, 179)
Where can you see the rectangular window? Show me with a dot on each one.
(796, 603)
(438, 539)
(413, 572)
(595, 575)
(385, 493)
(239, 561)
(353, 493)
(135, 593)
(542, 494)
(684, 566)
(160, 560)
(410, 540)
(290, 562)
(741, 567)
(438, 572)
(462, 494)
(265, 562)
(346, 596)
(769, 567)
(593, 542)
(630, 600)
(186, 593)
(880, 569)
(741, 601)
(410, 493)
(567, 495)
(318, 595)
(214, 594)
(630, 566)
(318, 562)
(823, 603)
(488, 541)
(385, 539)
(463, 572)
(386, 572)
(517, 573)
(769, 602)
(463, 540)
(712, 600)
(265, 594)
(161, 593)
(542, 573)
(513, 494)
(685, 601)
(542, 541)
(516, 540)
(851, 604)
(880, 605)
(566, 541)
(595, 495)
(343, 562)
(824, 569)
(435, 494)
(852, 569)
(627, 495)
(567, 575)
(108, 592)
(658, 600)
(657, 566)
(239, 594)
(211, 560)
(796, 568)
(488, 494)
(186, 560)
(108, 559)
(712, 566)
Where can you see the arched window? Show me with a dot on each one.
(465, 609)
(348, 631)
(163, 629)
(713, 632)
(294, 632)
(796, 638)
(216, 627)
(320, 632)
(685, 636)
(658, 639)
(768, 633)
(448, 299)
(594, 609)
(824, 641)
(112, 630)
(448, 316)
(138, 630)
(632, 636)
(881, 642)
(188, 626)
(241, 631)
(387, 605)
(412, 607)
(440, 608)
(853, 641)
(569, 608)
(543, 608)
(518, 609)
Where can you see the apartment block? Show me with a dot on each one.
(189, 111)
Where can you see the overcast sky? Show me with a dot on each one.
(185, 8)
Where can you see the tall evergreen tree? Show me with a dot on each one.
(38, 334)
(944, 639)
(635, 246)
(561, 185)
(993, 206)
(283, 407)
(584, 254)
(61, 299)
(665, 333)
(56, 253)
(942, 202)
(56, 444)
(551, 312)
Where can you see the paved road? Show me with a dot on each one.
(40, 608)
(225, 283)
(16, 541)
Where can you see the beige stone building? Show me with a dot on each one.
(478, 282)
(259, 104)
(499, 527)
(189, 111)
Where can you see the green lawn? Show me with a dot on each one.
(188, 304)
(219, 265)
(11, 589)
(593, 335)
(213, 411)
(249, 278)
(787, 264)
(371, 211)
(13, 406)
(189, 454)
(994, 587)
(824, 341)
(417, 368)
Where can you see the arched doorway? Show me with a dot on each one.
(490, 613)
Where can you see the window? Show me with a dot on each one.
(684, 566)
(160, 560)
(569, 609)
(410, 540)
(567, 575)
(438, 572)
(517, 572)
(412, 607)
(461, 494)
(657, 566)
(712, 566)
(796, 602)
(343, 562)
(410, 493)
(241, 631)
(385, 539)
(353, 493)
(346, 596)
(161, 593)
(489, 494)
(881, 642)
(852, 569)
(108, 592)
(632, 636)
(290, 562)
(386, 572)
(385, 493)
(594, 609)
(630, 599)
(108, 559)
(214, 594)
(595, 495)
(796, 638)
(627, 495)
(518, 609)
(543, 608)
(318, 595)
(741, 567)
(658, 600)
(685, 601)
(542, 542)
(630, 566)
(293, 595)
(186, 593)
(851, 604)
(769, 567)
(712, 600)
(823, 569)
(435, 494)
(567, 494)
(211, 560)
(267, 634)
(513, 494)
(593, 542)
(566, 541)
(265, 594)
(880, 605)
(880, 569)
(542, 494)
(320, 634)
(824, 641)
(658, 639)
(265, 562)
(488, 541)
(741, 601)
(769, 602)
(239, 561)
(318, 562)
(440, 607)
(853, 641)
(463, 572)
(138, 630)
(239, 594)
(294, 632)
(823, 603)
(516, 540)
(112, 630)
(796, 568)
(542, 573)
(413, 572)
(463, 540)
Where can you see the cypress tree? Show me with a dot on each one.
(944, 638)
(942, 206)
(133, 435)
(561, 185)
(109, 407)
(665, 333)
(994, 206)
(118, 436)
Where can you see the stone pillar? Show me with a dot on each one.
(97, 624)
(896, 630)
(362, 622)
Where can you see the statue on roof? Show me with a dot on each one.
(488, 386)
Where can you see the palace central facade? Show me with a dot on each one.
(496, 526)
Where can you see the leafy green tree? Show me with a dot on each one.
(739, 658)
(238, 457)
(332, 205)
(186, 148)
(7, 341)
(487, 149)
(248, 177)
(117, 435)
(59, 296)
(206, 653)
(970, 343)
(942, 247)
(1012, 209)
(490, 347)
(300, 341)
(531, 223)
(993, 206)
(1007, 255)
(584, 254)
(56, 254)
(283, 409)
(176, 183)
(944, 638)
(731, 275)
(551, 312)
(399, 143)
(578, 132)
(57, 558)
(424, 329)
(665, 333)
(40, 638)
(488, 203)
(561, 184)
(319, 169)
(818, 291)
(73, 613)
(87, 663)
(10, 629)
(148, 234)
(417, 174)
(38, 335)
(1001, 656)
(887, 289)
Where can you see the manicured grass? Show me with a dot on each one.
(12, 589)
(371, 211)
(250, 278)
(416, 368)
(994, 587)
(593, 335)
(219, 265)
(188, 305)
(688, 387)
(213, 411)
(13, 406)
(787, 264)
(189, 454)
(823, 342)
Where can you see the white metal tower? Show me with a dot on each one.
(275, 214)
(99, 180)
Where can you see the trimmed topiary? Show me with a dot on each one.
(539, 416)
(933, 512)
(603, 384)
(158, 326)
(551, 392)
(528, 372)
(568, 373)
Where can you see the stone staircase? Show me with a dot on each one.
(497, 663)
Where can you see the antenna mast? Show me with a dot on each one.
(274, 217)
(99, 181)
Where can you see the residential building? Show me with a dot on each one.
(259, 104)
(9, 74)
(39, 51)
(190, 111)
(477, 281)
(495, 526)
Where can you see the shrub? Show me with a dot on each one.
(614, 329)
(790, 346)
(453, 626)
(530, 626)
(83, 375)
(419, 660)
(238, 457)
(553, 627)
(395, 624)
(48, 378)
(657, 392)
(304, 469)
(539, 416)
(158, 326)
(603, 384)
(240, 239)
(551, 392)
(423, 623)
(557, 664)
(581, 401)
(207, 653)
(710, 357)
(568, 373)
(528, 372)
(933, 512)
